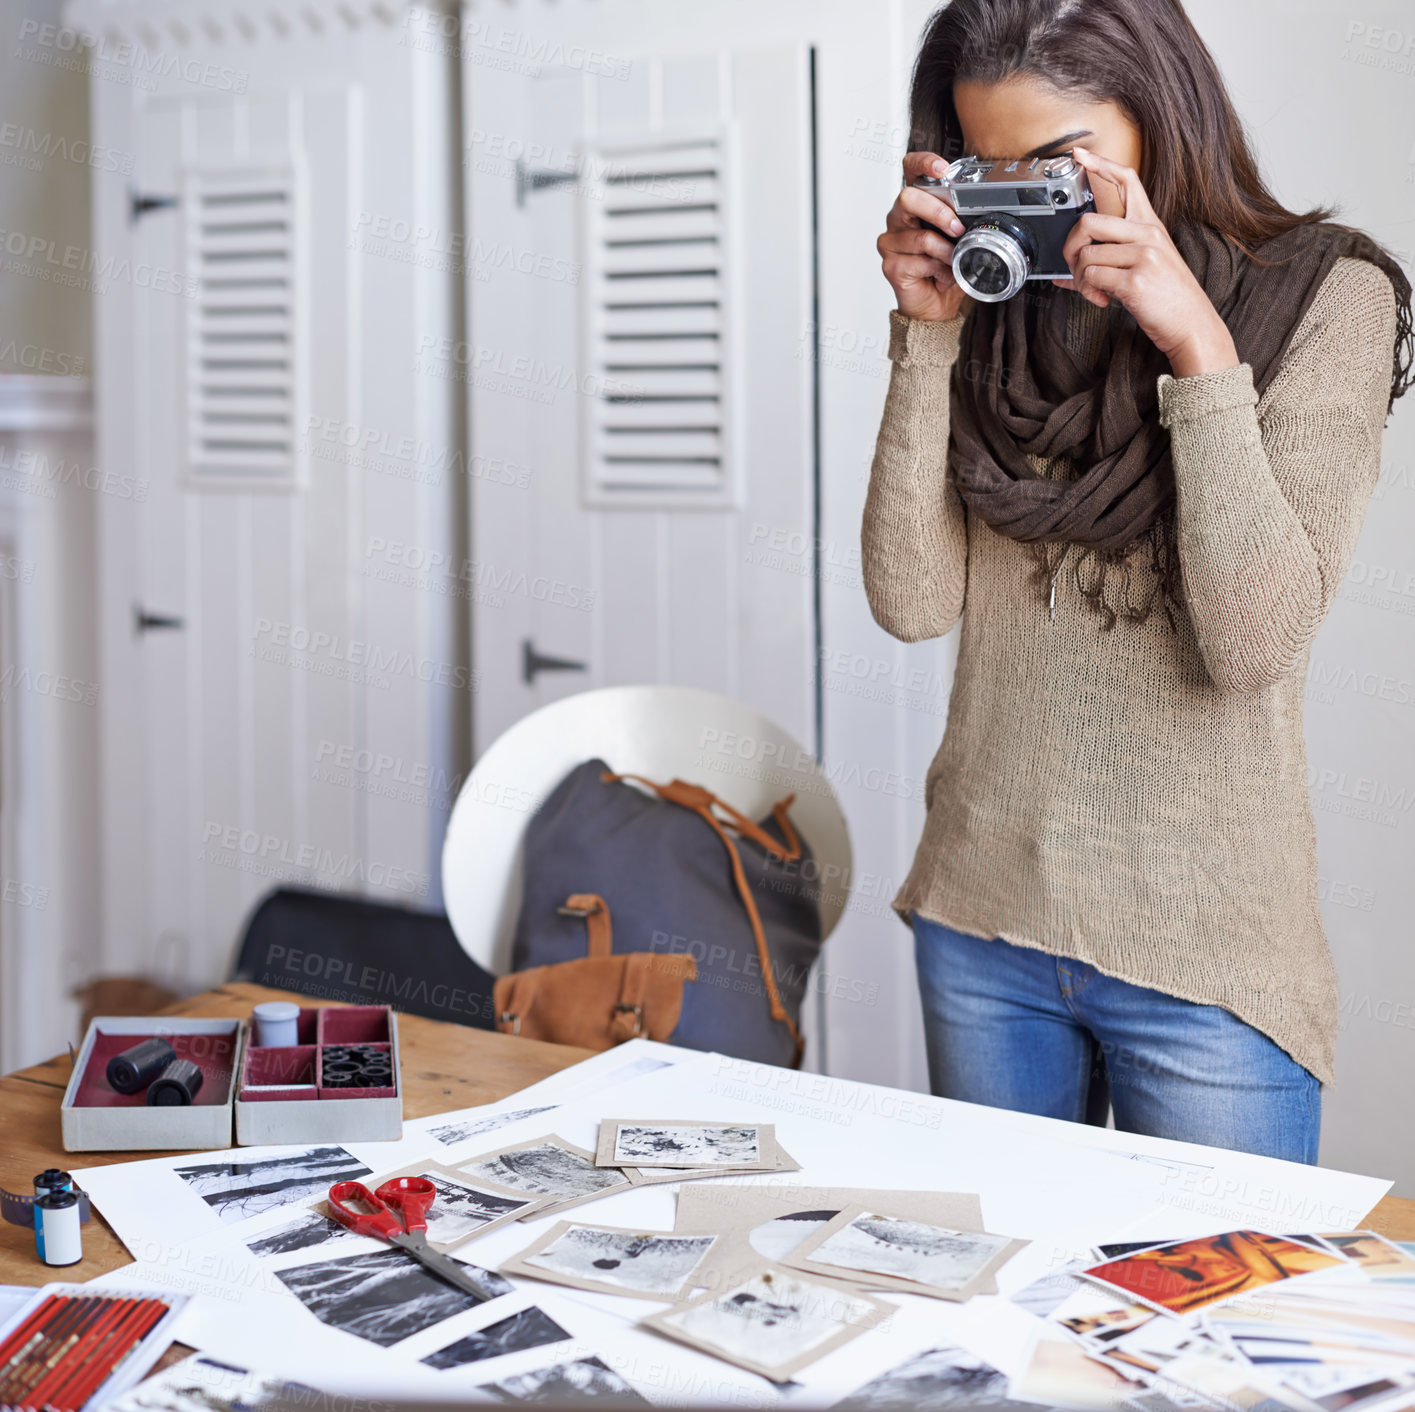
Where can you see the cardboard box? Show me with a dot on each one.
(281, 1095)
(94, 1117)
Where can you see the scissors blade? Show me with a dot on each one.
(446, 1268)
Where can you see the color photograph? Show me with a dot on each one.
(1191, 1274)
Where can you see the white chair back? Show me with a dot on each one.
(661, 732)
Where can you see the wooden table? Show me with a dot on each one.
(444, 1067)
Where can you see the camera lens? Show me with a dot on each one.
(993, 258)
(984, 272)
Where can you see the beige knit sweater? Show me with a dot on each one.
(1136, 799)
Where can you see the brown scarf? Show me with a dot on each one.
(1037, 398)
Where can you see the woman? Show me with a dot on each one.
(1140, 491)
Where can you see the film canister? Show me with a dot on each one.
(135, 1068)
(176, 1086)
(52, 1179)
(57, 1236)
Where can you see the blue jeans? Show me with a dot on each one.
(1017, 1028)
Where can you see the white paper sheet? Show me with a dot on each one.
(1060, 1185)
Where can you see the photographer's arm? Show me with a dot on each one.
(914, 543)
(1271, 497)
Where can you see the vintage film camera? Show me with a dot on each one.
(1018, 214)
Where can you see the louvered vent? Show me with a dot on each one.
(243, 330)
(658, 263)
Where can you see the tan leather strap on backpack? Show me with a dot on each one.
(599, 999)
(517, 995)
(703, 803)
(595, 910)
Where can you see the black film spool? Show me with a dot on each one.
(137, 1067)
(176, 1086)
(52, 1179)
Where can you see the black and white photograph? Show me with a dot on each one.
(448, 1134)
(548, 1167)
(237, 1191)
(529, 1328)
(381, 1296)
(463, 1208)
(309, 1229)
(582, 1379)
(642, 1264)
(663, 1144)
(933, 1381)
(773, 1321)
(776, 1239)
(925, 1258)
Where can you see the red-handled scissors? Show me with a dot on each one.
(397, 1213)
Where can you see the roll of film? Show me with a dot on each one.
(176, 1086)
(135, 1068)
(57, 1233)
(52, 1179)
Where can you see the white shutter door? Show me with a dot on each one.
(656, 395)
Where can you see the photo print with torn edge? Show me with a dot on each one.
(937, 1379)
(382, 1296)
(577, 1381)
(878, 1250)
(549, 1167)
(237, 1190)
(656, 1265)
(463, 1207)
(653, 1142)
(772, 1321)
(528, 1328)
(769, 1222)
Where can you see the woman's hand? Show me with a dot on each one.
(1132, 258)
(918, 260)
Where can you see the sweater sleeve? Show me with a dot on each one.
(1271, 494)
(914, 543)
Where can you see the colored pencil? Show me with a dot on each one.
(118, 1352)
(53, 1337)
(23, 1368)
(74, 1349)
(97, 1354)
(25, 1329)
(69, 1346)
(71, 1352)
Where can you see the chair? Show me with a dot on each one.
(332, 947)
(656, 731)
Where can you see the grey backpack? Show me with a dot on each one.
(681, 872)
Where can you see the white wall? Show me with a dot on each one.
(1328, 125)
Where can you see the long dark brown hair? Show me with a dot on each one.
(1147, 58)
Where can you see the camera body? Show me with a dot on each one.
(1017, 215)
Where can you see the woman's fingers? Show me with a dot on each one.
(917, 164)
(915, 242)
(1125, 179)
(1093, 227)
(914, 207)
(902, 268)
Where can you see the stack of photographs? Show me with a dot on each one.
(650, 1151)
(641, 1264)
(873, 1248)
(1317, 1322)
